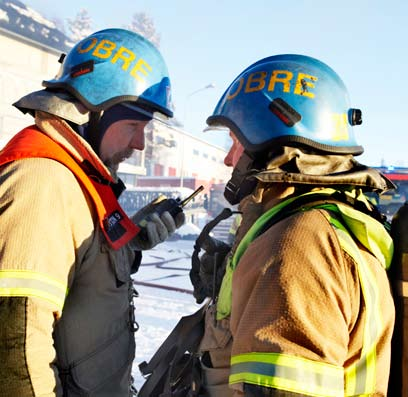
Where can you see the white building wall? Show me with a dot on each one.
(204, 160)
(189, 155)
(23, 66)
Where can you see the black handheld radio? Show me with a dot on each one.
(171, 205)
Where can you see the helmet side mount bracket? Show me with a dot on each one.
(286, 113)
(355, 116)
(82, 68)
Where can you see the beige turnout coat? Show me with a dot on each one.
(50, 235)
(296, 292)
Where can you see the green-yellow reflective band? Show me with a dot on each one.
(289, 373)
(361, 376)
(370, 233)
(29, 283)
(235, 224)
(225, 297)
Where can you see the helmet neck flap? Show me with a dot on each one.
(302, 168)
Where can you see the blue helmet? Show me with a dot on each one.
(289, 100)
(114, 66)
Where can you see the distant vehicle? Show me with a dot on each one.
(391, 201)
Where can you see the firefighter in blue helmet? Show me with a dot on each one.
(304, 307)
(67, 249)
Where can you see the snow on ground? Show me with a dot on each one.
(158, 310)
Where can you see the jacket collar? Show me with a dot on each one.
(293, 165)
(60, 131)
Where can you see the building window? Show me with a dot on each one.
(172, 171)
(158, 170)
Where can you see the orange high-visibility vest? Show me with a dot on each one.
(117, 227)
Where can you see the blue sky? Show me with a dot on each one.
(212, 41)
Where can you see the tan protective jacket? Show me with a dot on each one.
(49, 235)
(296, 294)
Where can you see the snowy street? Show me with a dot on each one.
(158, 310)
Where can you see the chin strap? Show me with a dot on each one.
(243, 182)
(91, 131)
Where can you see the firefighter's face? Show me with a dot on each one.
(120, 139)
(235, 152)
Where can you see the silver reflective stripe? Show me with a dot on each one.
(287, 372)
(29, 283)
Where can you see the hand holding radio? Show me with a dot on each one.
(158, 220)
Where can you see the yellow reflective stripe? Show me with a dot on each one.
(29, 283)
(290, 373)
(361, 376)
(34, 276)
(235, 224)
(224, 296)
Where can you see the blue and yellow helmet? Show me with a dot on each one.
(112, 66)
(289, 100)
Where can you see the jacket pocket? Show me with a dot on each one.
(107, 364)
(217, 334)
(121, 261)
(215, 381)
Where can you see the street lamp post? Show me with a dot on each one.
(210, 85)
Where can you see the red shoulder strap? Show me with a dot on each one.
(115, 224)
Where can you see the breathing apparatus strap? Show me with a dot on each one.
(170, 371)
(200, 294)
(224, 214)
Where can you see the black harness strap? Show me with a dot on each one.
(171, 370)
(162, 371)
(200, 294)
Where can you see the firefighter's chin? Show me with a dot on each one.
(113, 162)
